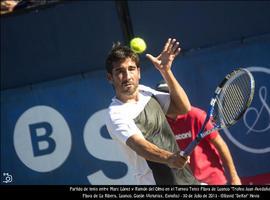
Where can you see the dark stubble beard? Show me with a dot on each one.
(132, 90)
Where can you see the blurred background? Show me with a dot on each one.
(54, 91)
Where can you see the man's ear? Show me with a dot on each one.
(109, 78)
(139, 70)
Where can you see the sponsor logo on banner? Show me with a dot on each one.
(42, 141)
(255, 124)
(42, 138)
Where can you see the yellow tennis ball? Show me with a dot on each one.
(138, 45)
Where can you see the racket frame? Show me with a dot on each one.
(213, 101)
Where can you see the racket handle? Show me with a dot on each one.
(189, 148)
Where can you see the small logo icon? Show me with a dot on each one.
(7, 178)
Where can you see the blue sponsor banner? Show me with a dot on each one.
(54, 132)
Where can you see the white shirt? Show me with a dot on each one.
(120, 124)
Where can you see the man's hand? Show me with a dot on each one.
(235, 180)
(178, 161)
(163, 61)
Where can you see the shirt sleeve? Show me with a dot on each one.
(163, 98)
(121, 128)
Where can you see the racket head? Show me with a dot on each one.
(232, 97)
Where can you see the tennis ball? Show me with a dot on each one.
(138, 45)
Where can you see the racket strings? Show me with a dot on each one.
(232, 100)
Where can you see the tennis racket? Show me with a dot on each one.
(231, 99)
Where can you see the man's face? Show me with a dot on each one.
(125, 77)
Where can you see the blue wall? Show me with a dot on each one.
(53, 132)
(65, 39)
(70, 38)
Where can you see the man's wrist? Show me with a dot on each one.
(166, 74)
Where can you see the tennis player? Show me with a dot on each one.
(136, 119)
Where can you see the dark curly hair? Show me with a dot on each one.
(118, 53)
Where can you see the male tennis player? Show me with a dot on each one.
(211, 157)
(136, 117)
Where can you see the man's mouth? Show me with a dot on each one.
(127, 84)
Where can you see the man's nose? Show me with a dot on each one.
(127, 74)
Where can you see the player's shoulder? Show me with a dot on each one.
(116, 107)
(115, 112)
(146, 89)
(119, 110)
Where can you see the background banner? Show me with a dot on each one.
(54, 132)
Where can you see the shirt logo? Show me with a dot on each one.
(182, 136)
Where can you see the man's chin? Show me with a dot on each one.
(129, 91)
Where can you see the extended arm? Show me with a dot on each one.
(152, 153)
(226, 159)
(179, 101)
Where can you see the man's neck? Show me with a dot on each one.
(129, 98)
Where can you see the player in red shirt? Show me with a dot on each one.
(211, 157)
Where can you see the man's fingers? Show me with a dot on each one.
(150, 57)
(167, 45)
(171, 45)
(188, 159)
(175, 47)
(177, 51)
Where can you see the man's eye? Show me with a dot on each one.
(118, 71)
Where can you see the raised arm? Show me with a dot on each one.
(163, 62)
